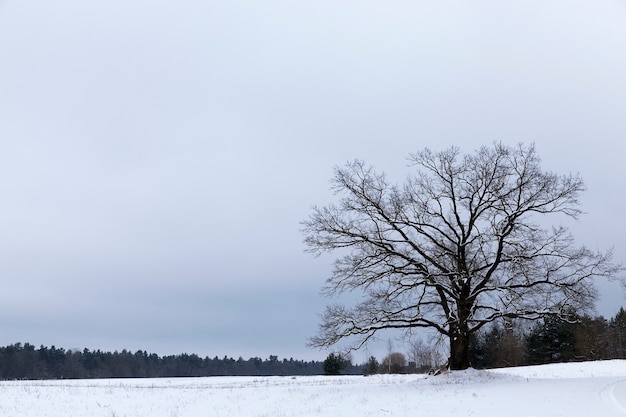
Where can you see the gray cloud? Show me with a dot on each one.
(156, 159)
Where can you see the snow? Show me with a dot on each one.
(574, 389)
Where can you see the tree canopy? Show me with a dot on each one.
(462, 243)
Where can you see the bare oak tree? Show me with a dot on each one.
(460, 244)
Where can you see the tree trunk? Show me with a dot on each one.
(459, 338)
(459, 351)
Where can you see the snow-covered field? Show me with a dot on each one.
(580, 389)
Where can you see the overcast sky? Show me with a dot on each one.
(156, 157)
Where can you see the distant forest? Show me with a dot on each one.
(25, 361)
(550, 340)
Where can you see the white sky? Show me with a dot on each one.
(157, 157)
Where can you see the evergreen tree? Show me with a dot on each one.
(371, 366)
(617, 335)
(550, 340)
(334, 364)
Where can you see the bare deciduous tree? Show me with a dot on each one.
(393, 363)
(423, 355)
(457, 246)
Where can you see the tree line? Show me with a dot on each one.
(25, 361)
(549, 340)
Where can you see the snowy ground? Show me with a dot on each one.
(580, 389)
